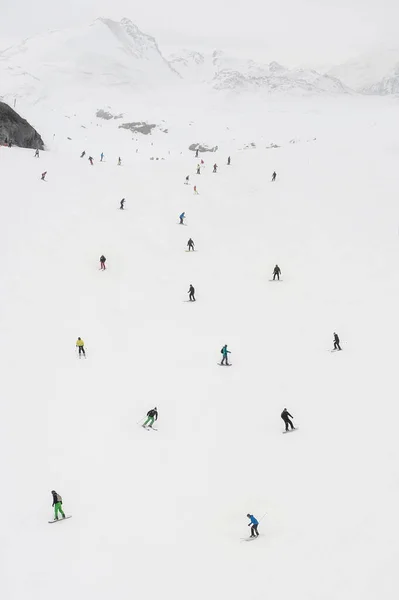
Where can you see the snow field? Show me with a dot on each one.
(163, 512)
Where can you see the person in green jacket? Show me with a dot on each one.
(225, 352)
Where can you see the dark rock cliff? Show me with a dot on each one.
(17, 130)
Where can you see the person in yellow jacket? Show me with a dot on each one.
(81, 345)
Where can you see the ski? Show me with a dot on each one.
(291, 430)
(224, 365)
(58, 520)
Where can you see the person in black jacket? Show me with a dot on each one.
(274, 176)
(336, 342)
(102, 262)
(190, 245)
(285, 415)
(57, 503)
(191, 292)
(122, 204)
(276, 272)
(152, 416)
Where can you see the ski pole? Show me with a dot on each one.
(142, 419)
(262, 517)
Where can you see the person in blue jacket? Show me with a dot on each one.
(225, 352)
(254, 525)
(182, 217)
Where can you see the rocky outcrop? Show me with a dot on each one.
(17, 130)
(105, 114)
(202, 148)
(138, 127)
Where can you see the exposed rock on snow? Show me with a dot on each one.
(139, 127)
(104, 114)
(17, 130)
(202, 148)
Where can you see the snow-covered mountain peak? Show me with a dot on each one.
(103, 54)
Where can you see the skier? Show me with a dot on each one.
(195, 190)
(57, 503)
(215, 168)
(44, 175)
(83, 153)
(102, 157)
(196, 153)
(274, 176)
(190, 245)
(119, 161)
(187, 180)
(336, 342)
(91, 160)
(228, 161)
(102, 262)
(81, 345)
(225, 352)
(37, 153)
(285, 415)
(276, 272)
(122, 204)
(191, 292)
(182, 217)
(198, 170)
(152, 416)
(253, 523)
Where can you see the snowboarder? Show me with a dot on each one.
(91, 160)
(225, 352)
(274, 176)
(276, 272)
(152, 416)
(37, 153)
(182, 217)
(44, 175)
(215, 168)
(102, 157)
(228, 161)
(196, 153)
(190, 245)
(122, 204)
(83, 154)
(191, 292)
(198, 170)
(102, 262)
(195, 190)
(253, 524)
(285, 415)
(336, 342)
(187, 180)
(119, 161)
(81, 345)
(57, 503)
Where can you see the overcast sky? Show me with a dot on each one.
(290, 31)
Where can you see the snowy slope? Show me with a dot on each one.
(225, 72)
(161, 514)
(370, 73)
(106, 53)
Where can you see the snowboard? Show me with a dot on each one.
(58, 520)
(291, 430)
